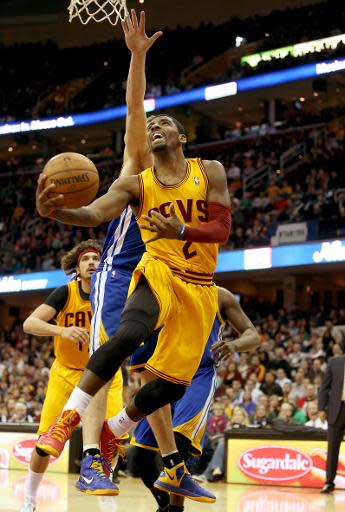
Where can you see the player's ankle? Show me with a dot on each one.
(172, 459)
(91, 451)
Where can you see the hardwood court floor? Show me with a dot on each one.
(58, 494)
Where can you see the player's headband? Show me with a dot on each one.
(85, 251)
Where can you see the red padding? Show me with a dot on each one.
(216, 230)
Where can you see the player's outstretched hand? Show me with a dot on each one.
(163, 227)
(46, 201)
(78, 335)
(135, 33)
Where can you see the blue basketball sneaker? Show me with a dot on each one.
(178, 480)
(92, 478)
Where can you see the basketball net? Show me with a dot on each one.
(97, 10)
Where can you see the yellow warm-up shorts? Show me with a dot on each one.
(62, 381)
(187, 312)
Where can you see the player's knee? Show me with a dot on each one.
(173, 391)
(156, 394)
(108, 358)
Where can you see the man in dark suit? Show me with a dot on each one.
(332, 403)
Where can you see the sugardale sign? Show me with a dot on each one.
(275, 463)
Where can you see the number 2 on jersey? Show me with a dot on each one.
(186, 251)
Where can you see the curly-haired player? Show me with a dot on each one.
(66, 315)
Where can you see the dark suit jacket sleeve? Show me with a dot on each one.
(325, 388)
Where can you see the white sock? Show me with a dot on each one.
(78, 401)
(31, 485)
(170, 453)
(121, 423)
(90, 446)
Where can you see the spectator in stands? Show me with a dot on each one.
(264, 402)
(279, 360)
(297, 387)
(253, 387)
(295, 357)
(243, 365)
(310, 396)
(281, 377)
(274, 406)
(314, 419)
(260, 417)
(256, 368)
(286, 413)
(237, 388)
(247, 403)
(269, 386)
(287, 387)
(218, 422)
(20, 414)
(233, 374)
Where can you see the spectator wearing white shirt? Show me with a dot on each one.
(20, 414)
(314, 418)
(296, 356)
(281, 378)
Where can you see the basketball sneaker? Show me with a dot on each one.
(53, 441)
(178, 480)
(29, 505)
(93, 479)
(110, 445)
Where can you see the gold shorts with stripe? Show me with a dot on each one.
(62, 381)
(186, 310)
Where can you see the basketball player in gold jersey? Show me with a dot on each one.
(66, 315)
(171, 287)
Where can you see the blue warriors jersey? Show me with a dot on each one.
(190, 413)
(122, 251)
(123, 246)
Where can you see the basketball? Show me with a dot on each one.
(74, 176)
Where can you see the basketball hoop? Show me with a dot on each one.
(97, 10)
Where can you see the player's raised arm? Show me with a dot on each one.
(248, 337)
(123, 191)
(136, 136)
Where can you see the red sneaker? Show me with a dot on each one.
(53, 441)
(110, 446)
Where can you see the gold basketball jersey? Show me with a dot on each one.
(76, 312)
(195, 262)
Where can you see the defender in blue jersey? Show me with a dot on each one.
(122, 251)
(190, 413)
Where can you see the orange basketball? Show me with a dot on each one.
(74, 176)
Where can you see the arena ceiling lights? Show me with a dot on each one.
(173, 100)
(294, 50)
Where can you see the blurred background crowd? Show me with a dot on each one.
(278, 178)
(277, 383)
